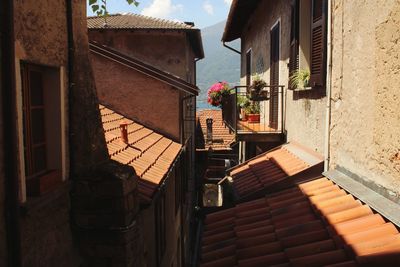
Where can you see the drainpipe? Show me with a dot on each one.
(8, 89)
(328, 89)
(195, 69)
(231, 48)
(68, 4)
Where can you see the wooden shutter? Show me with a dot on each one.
(318, 43)
(294, 39)
(274, 78)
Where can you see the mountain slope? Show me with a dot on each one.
(219, 64)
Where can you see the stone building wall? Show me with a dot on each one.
(169, 51)
(305, 111)
(137, 96)
(365, 91)
(41, 38)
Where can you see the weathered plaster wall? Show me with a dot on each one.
(41, 38)
(305, 111)
(137, 96)
(365, 90)
(167, 51)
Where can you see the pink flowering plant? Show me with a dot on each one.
(216, 92)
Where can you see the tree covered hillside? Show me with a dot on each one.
(219, 64)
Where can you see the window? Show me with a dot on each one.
(308, 39)
(41, 128)
(161, 241)
(34, 122)
(248, 67)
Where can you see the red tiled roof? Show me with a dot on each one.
(276, 165)
(223, 138)
(314, 224)
(149, 153)
(134, 21)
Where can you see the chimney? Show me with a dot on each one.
(209, 122)
(124, 132)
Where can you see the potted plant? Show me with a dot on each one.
(299, 79)
(257, 91)
(253, 112)
(217, 92)
(242, 103)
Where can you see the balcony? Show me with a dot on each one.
(257, 118)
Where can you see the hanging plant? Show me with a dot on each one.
(216, 92)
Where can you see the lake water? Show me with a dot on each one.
(204, 105)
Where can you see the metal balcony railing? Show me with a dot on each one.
(245, 112)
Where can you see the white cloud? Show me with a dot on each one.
(161, 9)
(228, 2)
(208, 8)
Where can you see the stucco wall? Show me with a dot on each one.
(41, 38)
(137, 96)
(305, 111)
(365, 90)
(168, 51)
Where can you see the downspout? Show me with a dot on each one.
(195, 70)
(231, 48)
(71, 48)
(328, 89)
(10, 135)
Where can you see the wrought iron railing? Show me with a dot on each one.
(246, 111)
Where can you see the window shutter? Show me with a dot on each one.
(318, 42)
(294, 39)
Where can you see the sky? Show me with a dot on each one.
(203, 13)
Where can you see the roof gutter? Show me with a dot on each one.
(8, 91)
(231, 48)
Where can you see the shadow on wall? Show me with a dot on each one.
(314, 93)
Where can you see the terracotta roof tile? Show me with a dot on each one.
(300, 226)
(256, 175)
(134, 21)
(223, 138)
(148, 152)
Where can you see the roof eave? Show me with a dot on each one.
(238, 17)
(226, 37)
(197, 43)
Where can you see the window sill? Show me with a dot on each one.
(43, 184)
(51, 198)
(309, 88)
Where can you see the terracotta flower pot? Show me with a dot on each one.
(253, 118)
(243, 115)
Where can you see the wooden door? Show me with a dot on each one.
(274, 77)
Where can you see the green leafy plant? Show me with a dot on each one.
(253, 108)
(299, 79)
(243, 101)
(258, 83)
(99, 7)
